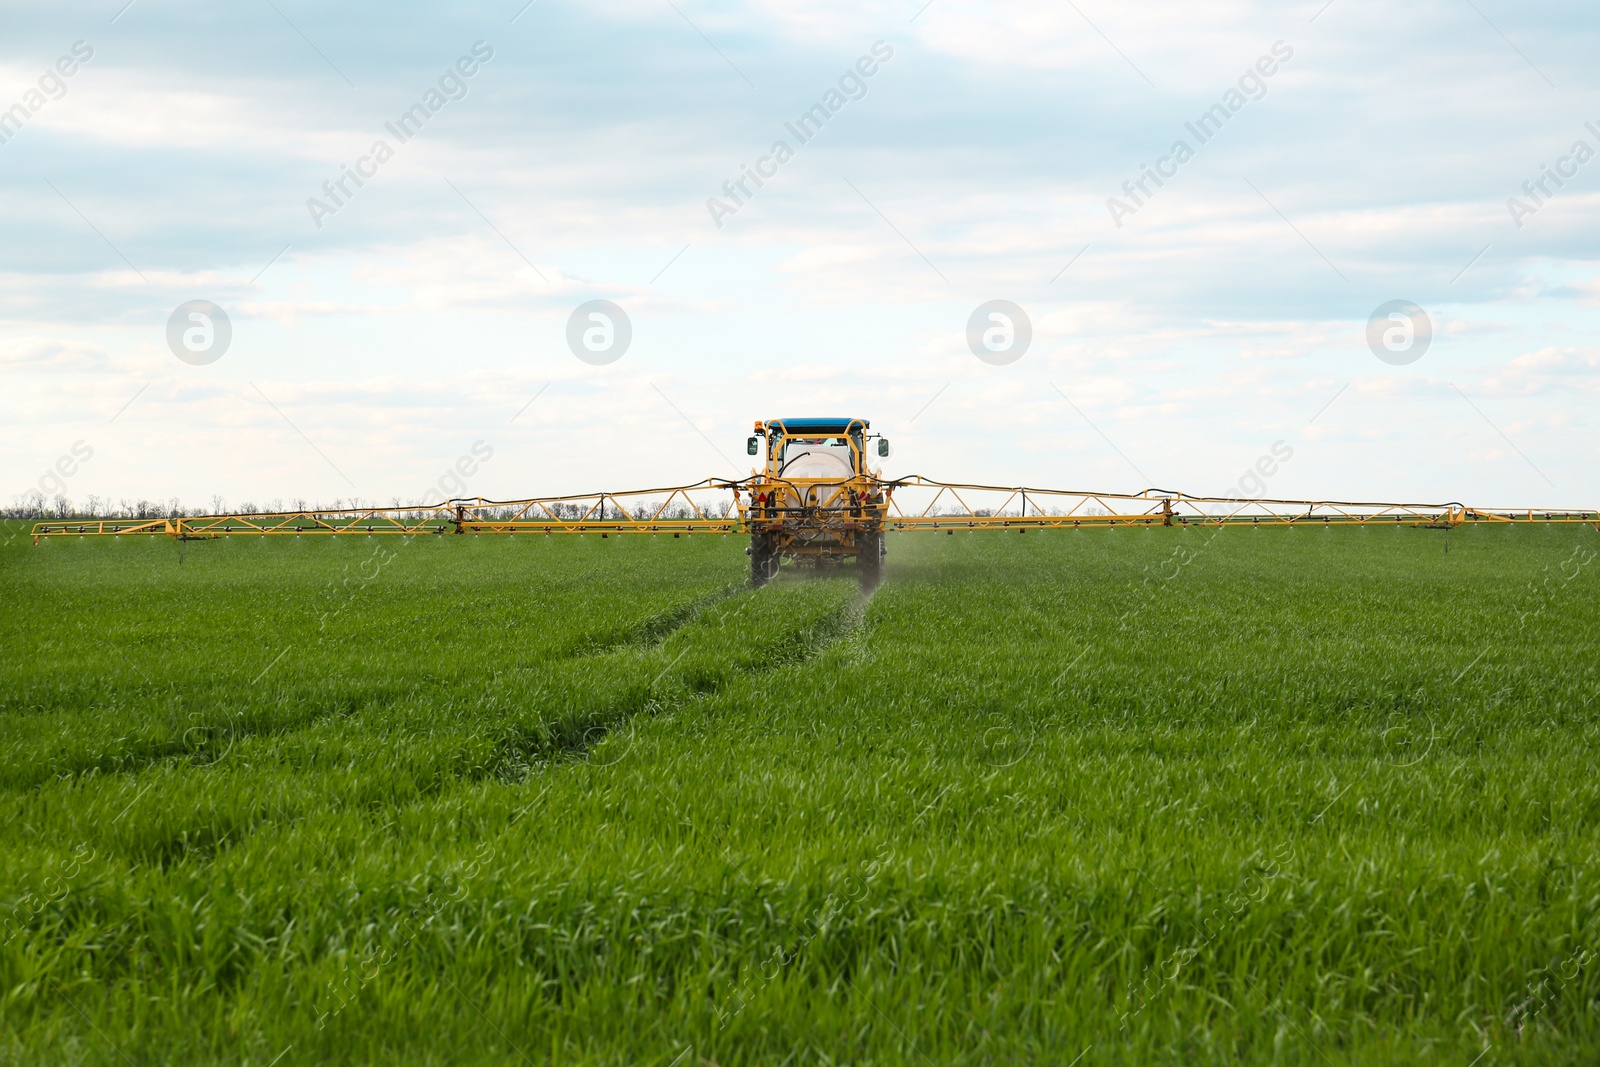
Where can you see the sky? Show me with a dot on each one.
(1336, 158)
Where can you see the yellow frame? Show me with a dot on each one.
(841, 517)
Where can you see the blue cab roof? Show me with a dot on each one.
(817, 424)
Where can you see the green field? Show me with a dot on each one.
(1312, 796)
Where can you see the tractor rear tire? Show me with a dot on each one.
(763, 560)
(869, 560)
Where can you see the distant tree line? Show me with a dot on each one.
(35, 505)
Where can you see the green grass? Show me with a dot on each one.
(1263, 796)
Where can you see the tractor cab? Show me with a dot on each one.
(815, 448)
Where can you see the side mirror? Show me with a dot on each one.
(751, 446)
(883, 446)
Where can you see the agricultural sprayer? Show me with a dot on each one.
(816, 501)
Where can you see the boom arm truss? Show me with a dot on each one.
(947, 505)
(912, 503)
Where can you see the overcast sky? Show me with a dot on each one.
(380, 331)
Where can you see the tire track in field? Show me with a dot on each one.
(679, 686)
(654, 630)
(607, 692)
(630, 682)
(203, 739)
(843, 623)
(198, 738)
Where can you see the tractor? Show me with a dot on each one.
(816, 501)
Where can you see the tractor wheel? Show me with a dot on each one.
(763, 560)
(869, 562)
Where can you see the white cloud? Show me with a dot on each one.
(1548, 371)
(50, 354)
